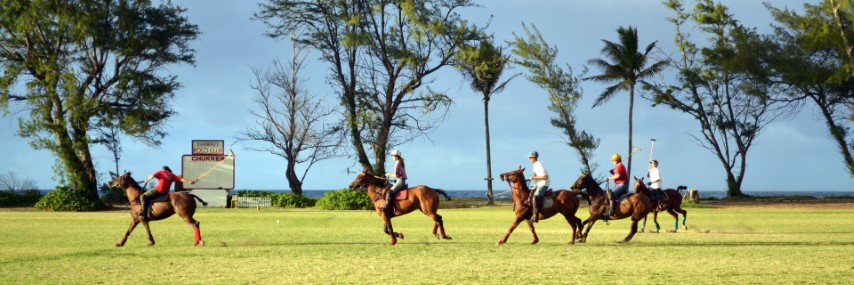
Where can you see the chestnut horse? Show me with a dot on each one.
(672, 204)
(636, 206)
(420, 197)
(565, 203)
(182, 203)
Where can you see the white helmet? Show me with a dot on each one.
(395, 153)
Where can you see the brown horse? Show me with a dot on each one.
(635, 206)
(182, 203)
(672, 204)
(420, 197)
(565, 202)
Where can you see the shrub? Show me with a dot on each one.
(345, 199)
(292, 200)
(19, 198)
(65, 199)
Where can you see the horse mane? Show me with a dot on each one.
(593, 188)
(132, 182)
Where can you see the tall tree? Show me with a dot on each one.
(290, 121)
(627, 68)
(813, 64)
(533, 52)
(483, 66)
(722, 86)
(380, 53)
(85, 65)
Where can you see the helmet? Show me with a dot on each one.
(167, 168)
(395, 153)
(533, 154)
(616, 157)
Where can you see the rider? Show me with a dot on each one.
(655, 183)
(620, 178)
(165, 177)
(400, 178)
(541, 183)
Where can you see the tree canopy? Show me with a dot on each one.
(88, 65)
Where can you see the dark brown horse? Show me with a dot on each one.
(420, 197)
(635, 206)
(181, 203)
(672, 204)
(565, 202)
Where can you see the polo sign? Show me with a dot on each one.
(208, 147)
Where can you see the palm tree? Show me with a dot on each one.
(626, 69)
(483, 65)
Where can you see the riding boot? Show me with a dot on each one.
(535, 210)
(143, 212)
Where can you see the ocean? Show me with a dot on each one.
(703, 194)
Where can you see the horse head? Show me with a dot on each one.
(640, 187)
(365, 179)
(586, 183)
(513, 176)
(122, 181)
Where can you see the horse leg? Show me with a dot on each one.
(675, 221)
(634, 230)
(390, 230)
(533, 232)
(684, 217)
(589, 222)
(148, 231)
(197, 238)
(571, 220)
(133, 224)
(643, 226)
(512, 227)
(655, 219)
(440, 225)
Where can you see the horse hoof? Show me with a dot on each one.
(671, 231)
(535, 242)
(447, 237)
(119, 245)
(150, 244)
(400, 235)
(500, 242)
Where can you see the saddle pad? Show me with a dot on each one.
(402, 194)
(548, 203)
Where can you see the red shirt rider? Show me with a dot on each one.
(164, 180)
(620, 170)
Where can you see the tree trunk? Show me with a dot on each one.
(839, 135)
(733, 185)
(631, 108)
(489, 194)
(293, 180)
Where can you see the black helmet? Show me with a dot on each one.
(167, 168)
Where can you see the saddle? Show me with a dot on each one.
(401, 194)
(659, 195)
(159, 199)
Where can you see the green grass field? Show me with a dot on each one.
(733, 245)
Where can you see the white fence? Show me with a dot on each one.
(251, 202)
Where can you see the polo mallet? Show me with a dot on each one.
(651, 148)
(231, 154)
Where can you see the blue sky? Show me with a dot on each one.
(792, 154)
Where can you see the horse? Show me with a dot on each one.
(565, 203)
(634, 206)
(181, 203)
(420, 197)
(672, 204)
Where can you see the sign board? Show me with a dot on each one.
(208, 147)
(216, 171)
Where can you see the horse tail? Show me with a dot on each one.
(200, 199)
(440, 191)
(681, 188)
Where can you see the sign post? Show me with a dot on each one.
(211, 168)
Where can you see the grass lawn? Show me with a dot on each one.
(769, 244)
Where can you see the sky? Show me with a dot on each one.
(792, 154)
